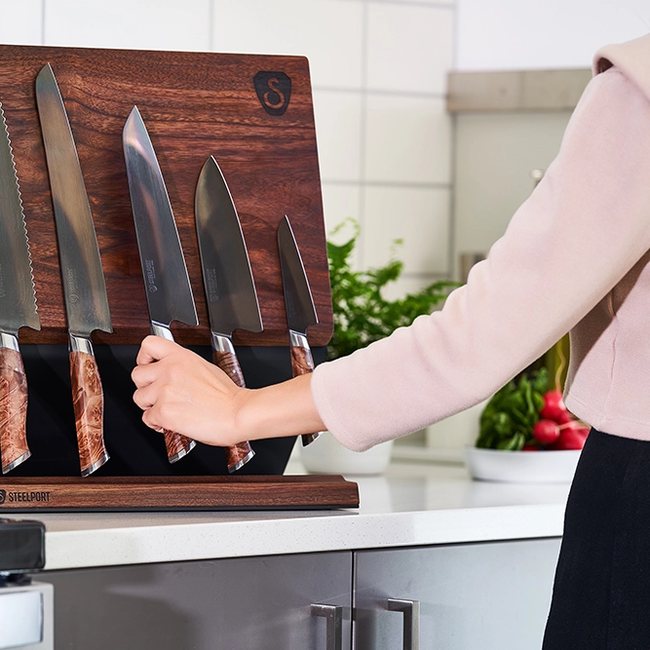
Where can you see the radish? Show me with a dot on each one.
(572, 436)
(554, 408)
(546, 431)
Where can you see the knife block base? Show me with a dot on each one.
(165, 493)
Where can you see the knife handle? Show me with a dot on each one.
(302, 363)
(88, 404)
(13, 404)
(177, 445)
(224, 356)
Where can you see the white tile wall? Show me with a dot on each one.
(329, 32)
(140, 24)
(410, 47)
(21, 23)
(339, 119)
(417, 215)
(407, 139)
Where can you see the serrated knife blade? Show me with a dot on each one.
(299, 306)
(17, 309)
(84, 288)
(230, 292)
(167, 283)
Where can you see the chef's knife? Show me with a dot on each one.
(17, 309)
(167, 284)
(299, 306)
(84, 289)
(228, 280)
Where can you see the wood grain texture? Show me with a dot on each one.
(229, 363)
(176, 445)
(168, 492)
(302, 361)
(13, 408)
(88, 405)
(194, 105)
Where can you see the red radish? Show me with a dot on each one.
(554, 408)
(546, 432)
(572, 436)
(531, 448)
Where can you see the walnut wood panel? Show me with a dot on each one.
(164, 493)
(194, 105)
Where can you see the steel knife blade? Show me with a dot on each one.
(230, 292)
(167, 283)
(17, 309)
(299, 306)
(84, 288)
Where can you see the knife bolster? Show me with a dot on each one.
(9, 341)
(163, 331)
(221, 343)
(80, 344)
(298, 340)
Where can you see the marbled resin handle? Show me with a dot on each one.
(224, 356)
(302, 363)
(13, 409)
(177, 445)
(88, 404)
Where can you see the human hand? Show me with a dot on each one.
(182, 392)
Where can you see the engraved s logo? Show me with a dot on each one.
(273, 90)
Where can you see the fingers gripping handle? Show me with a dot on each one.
(177, 445)
(302, 363)
(13, 404)
(88, 405)
(223, 355)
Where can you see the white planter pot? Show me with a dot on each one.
(328, 456)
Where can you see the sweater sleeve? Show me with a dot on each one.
(566, 247)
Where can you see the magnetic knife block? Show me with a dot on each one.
(195, 105)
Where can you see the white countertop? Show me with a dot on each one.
(411, 504)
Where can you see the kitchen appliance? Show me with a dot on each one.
(26, 607)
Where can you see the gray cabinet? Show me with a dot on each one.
(470, 596)
(261, 602)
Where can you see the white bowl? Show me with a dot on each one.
(522, 466)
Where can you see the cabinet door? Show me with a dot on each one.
(261, 602)
(471, 596)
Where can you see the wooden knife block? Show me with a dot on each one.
(194, 105)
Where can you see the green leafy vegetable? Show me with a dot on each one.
(508, 418)
(361, 314)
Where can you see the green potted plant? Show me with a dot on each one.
(363, 314)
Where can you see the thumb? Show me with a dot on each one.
(154, 348)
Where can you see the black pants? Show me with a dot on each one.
(601, 596)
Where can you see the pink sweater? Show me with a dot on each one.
(575, 257)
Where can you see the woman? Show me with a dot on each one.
(575, 257)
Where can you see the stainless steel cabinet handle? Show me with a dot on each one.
(411, 611)
(334, 616)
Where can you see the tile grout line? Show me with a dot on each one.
(362, 144)
(42, 22)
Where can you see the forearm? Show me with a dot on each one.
(279, 410)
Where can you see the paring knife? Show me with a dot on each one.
(86, 302)
(167, 284)
(228, 281)
(17, 309)
(299, 306)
